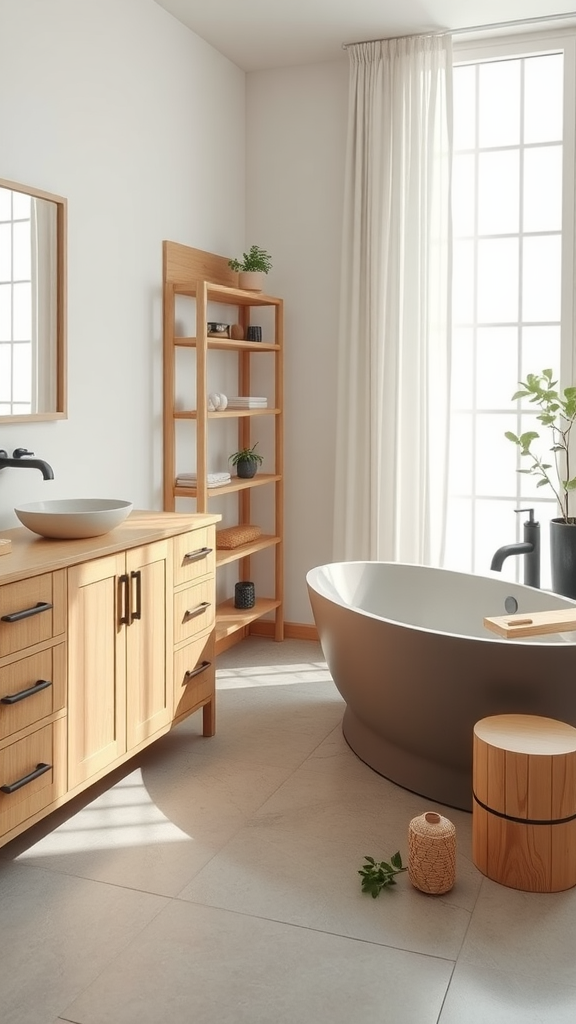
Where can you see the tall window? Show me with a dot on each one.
(513, 183)
(15, 303)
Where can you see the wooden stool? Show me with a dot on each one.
(524, 807)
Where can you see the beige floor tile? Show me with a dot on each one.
(531, 934)
(310, 878)
(152, 831)
(480, 995)
(277, 726)
(333, 775)
(58, 933)
(256, 653)
(199, 964)
(344, 770)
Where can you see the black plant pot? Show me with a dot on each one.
(246, 468)
(563, 557)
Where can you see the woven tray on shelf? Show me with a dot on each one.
(233, 536)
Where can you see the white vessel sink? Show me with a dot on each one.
(72, 518)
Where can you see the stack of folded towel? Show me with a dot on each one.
(213, 479)
(247, 402)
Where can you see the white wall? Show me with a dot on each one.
(124, 111)
(142, 126)
(296, 135)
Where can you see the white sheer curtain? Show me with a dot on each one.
(394, 345)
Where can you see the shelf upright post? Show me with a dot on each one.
(169, 385)
(201, 397)
(279, 469)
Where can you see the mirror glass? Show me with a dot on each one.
(32, 303)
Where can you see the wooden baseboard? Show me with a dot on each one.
(292, 631)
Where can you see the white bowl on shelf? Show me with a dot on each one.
(73, 518)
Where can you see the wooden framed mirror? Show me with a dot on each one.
(32, 304)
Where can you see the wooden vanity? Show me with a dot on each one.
(105, 644)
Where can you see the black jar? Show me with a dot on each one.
(244, 595)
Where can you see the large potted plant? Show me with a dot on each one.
(246, 461)
(252, 268)
(557, 413)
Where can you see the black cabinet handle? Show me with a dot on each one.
(138, 577)
(192, 613)
(13, 698)
(191, 672)
(196, 556)
(42, 606)
(38, 771)
(124, 600)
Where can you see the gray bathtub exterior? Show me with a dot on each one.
(407, 650)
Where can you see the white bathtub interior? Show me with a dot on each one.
(440, 600)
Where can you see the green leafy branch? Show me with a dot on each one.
(256, 259)
(558, 412)
(378, 875)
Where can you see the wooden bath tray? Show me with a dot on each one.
(532, 623)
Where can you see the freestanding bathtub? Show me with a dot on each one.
(407, 649)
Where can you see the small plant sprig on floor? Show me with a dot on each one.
(376, 876)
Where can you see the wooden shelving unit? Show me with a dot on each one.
(205, 278)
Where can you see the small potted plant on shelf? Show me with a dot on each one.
(252, 268)
(558, 412)
(246, 461)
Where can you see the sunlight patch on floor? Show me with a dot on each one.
(123, 816)
(271, 675)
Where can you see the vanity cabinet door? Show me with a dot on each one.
(149, 698)
(96, 667)
(120, 664)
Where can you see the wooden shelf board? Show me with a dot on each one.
(237, 485)
(191, 414)
(223, 293)
(230, 413)
(225, 555)
(230, 344)
(229, 619)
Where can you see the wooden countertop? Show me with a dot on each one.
(31, 555)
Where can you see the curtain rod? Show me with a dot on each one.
(475, 28)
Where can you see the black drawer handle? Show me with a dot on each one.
(13, 698)
(125, 618)
(42, 606)
(138, 577)
(38, 771)
(196, 556)
(191, 613)
(191, 672)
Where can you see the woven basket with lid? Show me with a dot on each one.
(432, 853)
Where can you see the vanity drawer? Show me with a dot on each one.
(28, 769)
(194, 674)
(31, 689)
(32, 610)
(194, 611)
(194, 555)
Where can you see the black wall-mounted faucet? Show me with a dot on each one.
(20, 460)
(530, 547)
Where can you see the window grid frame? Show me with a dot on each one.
(15, 407)
(509, 50)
